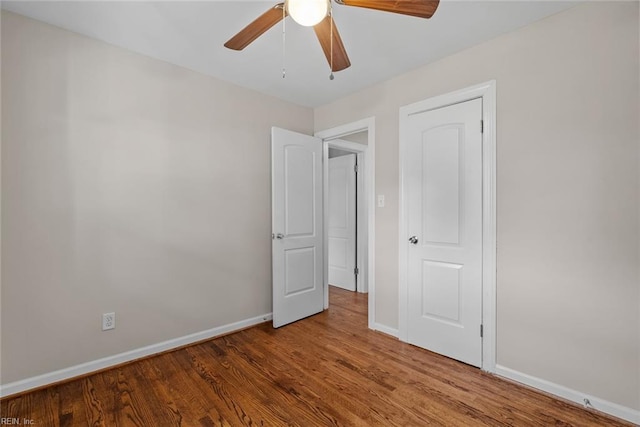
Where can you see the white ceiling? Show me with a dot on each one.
(380, 45)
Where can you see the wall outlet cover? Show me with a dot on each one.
(108, 321)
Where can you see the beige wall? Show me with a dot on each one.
(359, 137)
(128, 185)
(567, 201)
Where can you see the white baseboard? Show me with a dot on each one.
(106, 362)
(385, 329)
(601, 405)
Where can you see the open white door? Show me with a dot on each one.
(296, 202)
(342, 222)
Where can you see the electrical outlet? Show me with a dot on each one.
(108, 321)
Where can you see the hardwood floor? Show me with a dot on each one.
(326, 370)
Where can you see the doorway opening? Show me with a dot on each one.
(354, 138)
(343, 223)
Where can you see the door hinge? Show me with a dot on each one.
(356, 271)
(355, 168)
(481, 331)
(481, 126)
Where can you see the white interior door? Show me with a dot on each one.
(296, 163)
(342, 221)
(444, 222)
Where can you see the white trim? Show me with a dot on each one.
(327, 135)
(486, 91)
(385, 329)
(578, 397)
(362, 284)
(107, 362)
(489, 229)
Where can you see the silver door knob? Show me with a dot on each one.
(413, 240)
(280, 236)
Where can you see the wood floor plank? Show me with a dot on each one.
(71, 410)
(210, 388)
(286, 376)
(256, 403)
(336, 382)
(95, 415)
(329, 369)
(243, 371)
(194, 405)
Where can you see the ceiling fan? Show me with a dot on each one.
(317, 13)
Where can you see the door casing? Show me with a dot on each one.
(366, 208)
(487, 92)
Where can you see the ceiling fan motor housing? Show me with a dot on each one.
(307, 12)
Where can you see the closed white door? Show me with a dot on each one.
(297, 239)
(342, 222)
(444, 222)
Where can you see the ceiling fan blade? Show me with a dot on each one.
(324, 34)
(419, 8)
(258, 27)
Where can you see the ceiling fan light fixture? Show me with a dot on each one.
(307, 12)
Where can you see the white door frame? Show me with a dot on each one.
(366, 216)
(486, 91)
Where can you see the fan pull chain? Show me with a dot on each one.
(284, 39)
(331, 41)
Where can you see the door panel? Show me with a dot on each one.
(444, 212)
(441, 179)
(342, 221)
(297, 226)
(299, 180)
(299, 270)
(441, 290)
